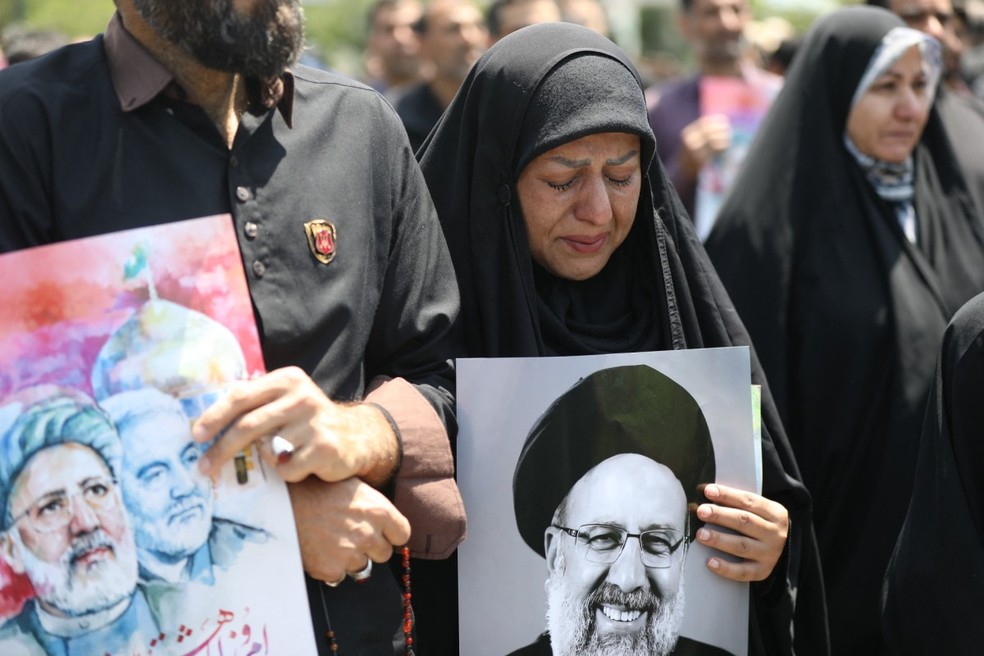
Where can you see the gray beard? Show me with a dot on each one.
(158, 539)
(262, 44)
(74, 593)
(571, 622)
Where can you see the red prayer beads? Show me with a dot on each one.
(407, 610)
(407, 607)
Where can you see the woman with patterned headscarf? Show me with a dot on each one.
(847, 242)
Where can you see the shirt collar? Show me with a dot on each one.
(139, 78)
(72, 627)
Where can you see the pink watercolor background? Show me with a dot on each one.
(61, 302)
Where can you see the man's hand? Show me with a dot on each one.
(332, 441)
(343, 525)
(762, 526)
(701, 141)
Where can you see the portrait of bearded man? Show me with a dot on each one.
(605, 490)
(64, 526)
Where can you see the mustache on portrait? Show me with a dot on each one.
(190, 502)
(87, 542)
(609, 594)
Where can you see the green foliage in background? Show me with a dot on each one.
(336, 30)
(76, 18)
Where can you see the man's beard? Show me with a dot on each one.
(571, 620)
(400, 66)
(260, 44)
(462, 65)
(724, 51)
(76, 590)
(170, 538)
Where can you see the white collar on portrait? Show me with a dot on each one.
(71, 627)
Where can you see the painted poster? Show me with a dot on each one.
(745, 104)
(577, 474)
(111, 541)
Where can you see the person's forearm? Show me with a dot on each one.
(424, 488)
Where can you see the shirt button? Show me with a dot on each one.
(259, 268)
(234, 161)
(251, 229)
(242, 193)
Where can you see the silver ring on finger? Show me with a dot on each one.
(363, 573)
(282, 450)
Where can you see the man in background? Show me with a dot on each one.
(392, 56)
(452, 37)
(688, 138)
(506, 16)
(971, 14)
(19, 44)
(589, 13)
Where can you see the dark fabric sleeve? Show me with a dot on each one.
(411, 336)
(788, 609)
(424, 489)
(411, 340)
(762, 290)
(965, 410)
(934, 585)
(25, 151)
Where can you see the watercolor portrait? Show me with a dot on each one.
(111, 539)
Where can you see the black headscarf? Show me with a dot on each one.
(845, 312)
(659, 278)
(934, 588)
(507, 112)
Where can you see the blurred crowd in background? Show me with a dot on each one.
(398, 50)
(418, 55)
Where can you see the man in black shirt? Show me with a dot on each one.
(188, 109)
(452, 38)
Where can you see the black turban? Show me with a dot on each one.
(628, 409)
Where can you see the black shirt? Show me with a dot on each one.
(79, 159)
(420, 110)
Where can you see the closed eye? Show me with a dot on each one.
(563, 186)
